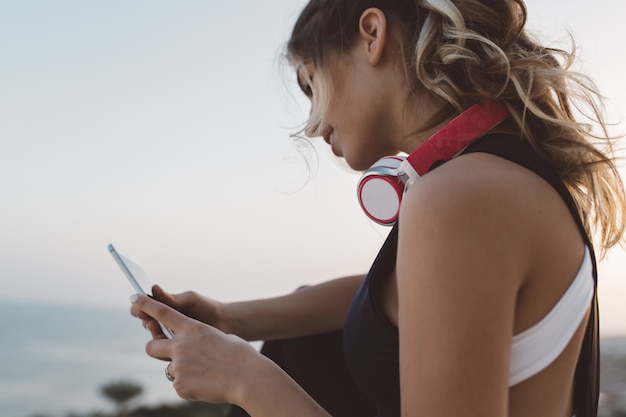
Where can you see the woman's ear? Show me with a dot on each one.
(373, 31)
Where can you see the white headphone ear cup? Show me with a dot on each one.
(380, 196)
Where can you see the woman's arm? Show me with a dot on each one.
(309, 310)
(462, 257)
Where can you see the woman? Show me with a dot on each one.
(482, 300)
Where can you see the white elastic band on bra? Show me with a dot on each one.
(537, 347)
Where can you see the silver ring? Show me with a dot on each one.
(167, 373)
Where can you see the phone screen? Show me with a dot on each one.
(137, 277)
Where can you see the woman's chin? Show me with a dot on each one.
(357, 164)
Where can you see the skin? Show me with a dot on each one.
(501, 249)
(366, 118)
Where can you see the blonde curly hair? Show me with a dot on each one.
(473, 51)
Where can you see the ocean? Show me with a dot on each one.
(55, 359)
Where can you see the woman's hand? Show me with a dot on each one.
(206, 363)
(191, 304)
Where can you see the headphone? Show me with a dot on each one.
(382, 186)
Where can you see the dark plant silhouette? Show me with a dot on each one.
(120, 393)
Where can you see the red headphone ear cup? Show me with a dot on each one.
(380, 196)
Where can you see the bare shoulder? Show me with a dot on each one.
(476, 181)
(483, 219)
(488, 211)
(488, 197)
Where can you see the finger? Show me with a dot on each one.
(144, 316)
(151, 325)
(176, 301)
(158, 311)
(160, 349)
(135, 311)
(155, 329)
(163, 296)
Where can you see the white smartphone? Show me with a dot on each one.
(137, 277)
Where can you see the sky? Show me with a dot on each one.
(164, 128)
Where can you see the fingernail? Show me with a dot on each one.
(134, 298)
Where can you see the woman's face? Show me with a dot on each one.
(363, 119)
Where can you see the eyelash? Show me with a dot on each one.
(306, 88)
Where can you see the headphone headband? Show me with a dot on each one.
(382, 186)
(456, 135)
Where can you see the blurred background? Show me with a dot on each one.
(163, 127)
